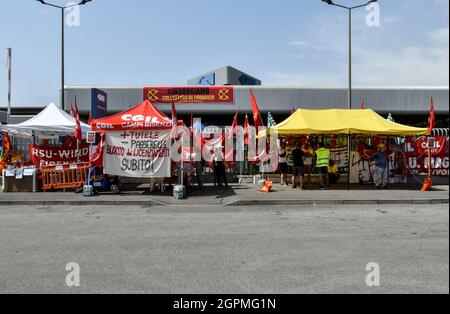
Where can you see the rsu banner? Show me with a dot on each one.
(137, 154)
(190, 94)
(58, 155)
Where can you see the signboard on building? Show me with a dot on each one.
(138, 154)
(99, 103)
(190, 94)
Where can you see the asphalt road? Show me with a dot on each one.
(225, 250)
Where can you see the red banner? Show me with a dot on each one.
(58, 155)
(417, 156)
(190, 94)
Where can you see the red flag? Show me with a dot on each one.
(256, 114)
(96, 158)
(234, 125)
(293, 110)
(363, 105)
(72, 113)
(246, 127)
(78, 135)
(432, 118)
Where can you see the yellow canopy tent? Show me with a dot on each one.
(341, 121)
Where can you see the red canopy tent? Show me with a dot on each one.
(136, 144)
(140, 118)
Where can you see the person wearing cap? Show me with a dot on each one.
(381, 174)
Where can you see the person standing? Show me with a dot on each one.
(308, 160)
(323, 161)
(283, 164)
(299, 167)
(199, 167)
(381, 174)
(219, 167)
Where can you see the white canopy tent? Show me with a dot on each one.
(52, 121)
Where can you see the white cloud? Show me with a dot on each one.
(426, 63)
(440, 36)
(305, 79)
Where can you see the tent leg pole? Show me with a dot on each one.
(389, 161)
(349, 161)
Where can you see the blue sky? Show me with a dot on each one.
(288, 42)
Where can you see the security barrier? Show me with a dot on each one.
(64, 177)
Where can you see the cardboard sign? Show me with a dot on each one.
(138, 154)
(90, 137)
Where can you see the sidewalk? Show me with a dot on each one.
(239, 195)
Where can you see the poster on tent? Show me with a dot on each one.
(138, 154)
(363, 170)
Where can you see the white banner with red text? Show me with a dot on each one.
(138, 154)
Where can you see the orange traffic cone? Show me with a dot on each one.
(427, 185)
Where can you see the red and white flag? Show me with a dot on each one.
(174, 115)
(78, 135)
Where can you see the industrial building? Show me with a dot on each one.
(409, 105)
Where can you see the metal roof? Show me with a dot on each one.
(396, 100)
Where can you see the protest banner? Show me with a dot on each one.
(58, 155)
(138, 154)
(417, 156)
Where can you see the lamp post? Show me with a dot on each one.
(350, 98)
(349, 9)
(62, 8)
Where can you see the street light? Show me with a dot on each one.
(349, 9)
(62, 8)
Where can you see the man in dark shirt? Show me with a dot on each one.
(382, 174)
(299, 167)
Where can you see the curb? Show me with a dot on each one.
(285, 202)
(150, 203)
(272, 202)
